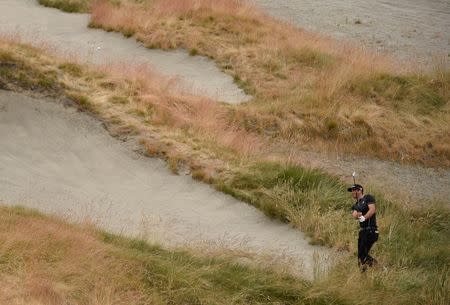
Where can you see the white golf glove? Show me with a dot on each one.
(361, 218)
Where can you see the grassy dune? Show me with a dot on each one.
(413, 248)
(310, 92)
(46, 261)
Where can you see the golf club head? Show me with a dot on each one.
(354, 175)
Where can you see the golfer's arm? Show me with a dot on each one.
(355, 214)
(371, 210)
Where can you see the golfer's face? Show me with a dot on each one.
(355, 193)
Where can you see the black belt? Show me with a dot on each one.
(369, 229)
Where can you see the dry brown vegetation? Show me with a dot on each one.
(47, 261)
(310, 92)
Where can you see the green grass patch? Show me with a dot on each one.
(418, 93)
(259, 184)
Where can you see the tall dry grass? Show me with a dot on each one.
(314, 92)
(157, 99)
(47, 261)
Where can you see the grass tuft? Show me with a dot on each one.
(72, 69)
(193, 52)
(309, 57)
(83, 101)
(118, 100)
(69, 6)
(19, 75)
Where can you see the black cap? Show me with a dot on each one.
(354, 187)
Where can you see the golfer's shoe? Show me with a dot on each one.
(363, 268)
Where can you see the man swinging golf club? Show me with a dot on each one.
(365, 211)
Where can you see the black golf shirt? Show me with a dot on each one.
(363, 206)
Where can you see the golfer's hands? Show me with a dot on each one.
(356, 215)
(361, 218)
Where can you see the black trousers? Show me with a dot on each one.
(366, 240)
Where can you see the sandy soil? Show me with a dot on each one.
(69, 35)
(409, 29)
(58, 160)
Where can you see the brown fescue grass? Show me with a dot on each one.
(313, 92)
(153, 99)
(47, 261)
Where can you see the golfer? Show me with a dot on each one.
(365, 211)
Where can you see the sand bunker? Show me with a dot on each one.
(408, 29)
(58, 160)
(69, 34)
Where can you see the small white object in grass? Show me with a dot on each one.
(98, 48)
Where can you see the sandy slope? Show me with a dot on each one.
(58, 160)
